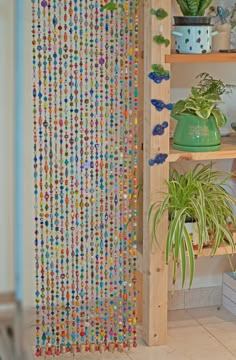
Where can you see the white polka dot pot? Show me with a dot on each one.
(193, 39)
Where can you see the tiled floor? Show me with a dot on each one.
(195, 334)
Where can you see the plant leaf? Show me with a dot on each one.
(219, 118)
(189, 245)
(193, 6)
(183, 262)
(204, 113)
(173, 231)
(204, 4)
(184, 7)
(213, 97)
(179, 107)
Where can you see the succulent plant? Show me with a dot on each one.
(194, 7)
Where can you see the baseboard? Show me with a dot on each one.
(195, 298)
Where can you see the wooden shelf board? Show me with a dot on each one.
(200, 58)
(223, 250)
(206, 252)
(227, 151)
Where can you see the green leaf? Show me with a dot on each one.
(213, 97)
(195, 92)
(179, 107)
(183, 262)
(193, 6)
(219, 118)
(191, 257)
(192, 104)
(173, 233)
(204, 4)
(203, 113)
(184, 7)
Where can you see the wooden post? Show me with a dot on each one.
(155, 272)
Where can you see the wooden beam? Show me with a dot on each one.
(155, 272)
(140, 116)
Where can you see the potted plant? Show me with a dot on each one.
(199, 195)
(193, 31)
(193, 11)
(199, 117)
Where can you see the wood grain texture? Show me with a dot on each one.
(222, 250)
(200, 58)
(155, 271)
(227, 151)
(140, 116)
(207, 252)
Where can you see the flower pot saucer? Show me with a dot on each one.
(196, 148)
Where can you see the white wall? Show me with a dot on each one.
(7, 67)
(6, 146)
(28, 199)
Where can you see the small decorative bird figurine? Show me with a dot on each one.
(222, 14)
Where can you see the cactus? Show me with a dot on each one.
(194, 7)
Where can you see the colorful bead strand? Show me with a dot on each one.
(85, 68)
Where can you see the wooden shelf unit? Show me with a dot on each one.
(227, 151)
(200, 58)
(152, 267)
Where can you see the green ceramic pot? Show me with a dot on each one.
(195, 134)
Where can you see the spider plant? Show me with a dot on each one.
(200, 194)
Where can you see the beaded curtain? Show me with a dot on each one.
(85, 70)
